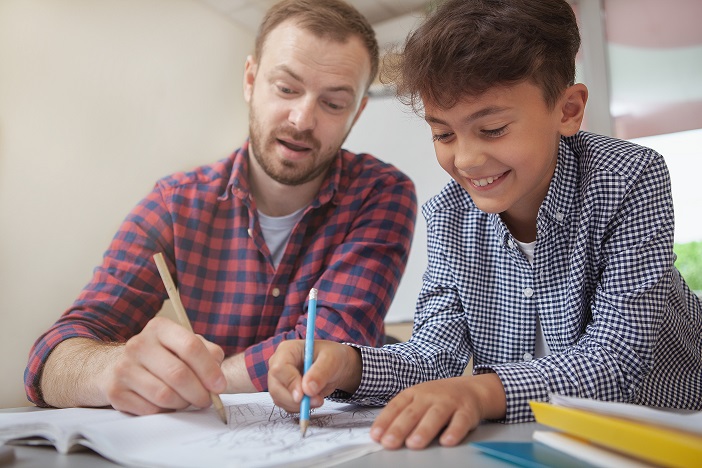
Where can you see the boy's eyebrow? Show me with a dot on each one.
(484, 112)
(285, 69)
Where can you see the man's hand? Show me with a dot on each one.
(164, 367)
(451, 407)
(335, 366)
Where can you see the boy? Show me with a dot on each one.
(550, 253)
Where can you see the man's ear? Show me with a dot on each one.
(364, 101)
(572, 106)
(250, 69)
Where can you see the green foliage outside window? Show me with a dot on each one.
(689, 263)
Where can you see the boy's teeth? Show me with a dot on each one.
(484, 182)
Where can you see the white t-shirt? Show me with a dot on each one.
(276, 232)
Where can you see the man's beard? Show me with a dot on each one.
(290, 174)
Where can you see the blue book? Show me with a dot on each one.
(529, 455)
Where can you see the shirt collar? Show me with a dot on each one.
(560, 200)
(239, 187)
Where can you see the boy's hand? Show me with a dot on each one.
(452, 407)
(335, 366)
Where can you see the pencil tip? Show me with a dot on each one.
(219, 406)
(303, 427)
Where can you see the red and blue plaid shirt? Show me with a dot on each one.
(352, 244)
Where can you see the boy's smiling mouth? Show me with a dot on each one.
(486, 181)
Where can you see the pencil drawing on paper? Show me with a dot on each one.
(261, 432)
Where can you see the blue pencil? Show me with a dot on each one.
(309, 353)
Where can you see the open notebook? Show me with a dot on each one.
(259, 434)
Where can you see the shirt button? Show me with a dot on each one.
(559, 216)
(528, 292)
(275, 292)
(250, 232)
(527, 356)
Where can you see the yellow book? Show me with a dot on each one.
(655, 444)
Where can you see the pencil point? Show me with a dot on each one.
(303, 427)
(219, 406)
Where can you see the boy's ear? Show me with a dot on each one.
(573, 108)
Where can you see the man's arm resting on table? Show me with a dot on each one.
(163, 367)
(73, 371)
(238, 379)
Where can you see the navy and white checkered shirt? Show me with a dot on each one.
(620, 321)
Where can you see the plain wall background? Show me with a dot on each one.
(390, 131)
(98, 99)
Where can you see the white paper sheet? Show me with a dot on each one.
(259, 434)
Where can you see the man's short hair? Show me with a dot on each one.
(332, 19)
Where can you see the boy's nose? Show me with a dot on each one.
(467, 158)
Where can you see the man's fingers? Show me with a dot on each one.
(133, 389)
(200, 356)
(132, 403)
(175, 358)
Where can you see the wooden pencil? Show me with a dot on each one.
(182, 318)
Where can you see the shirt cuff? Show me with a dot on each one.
(522, 383)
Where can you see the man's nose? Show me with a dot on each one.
(302, 115)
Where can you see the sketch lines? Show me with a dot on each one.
(260, 432)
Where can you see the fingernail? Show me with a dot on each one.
(313, 387)
(375, 433)
(297, 396)
(220, 384)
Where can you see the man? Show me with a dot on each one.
(246, 238)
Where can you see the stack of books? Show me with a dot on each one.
(618, 434)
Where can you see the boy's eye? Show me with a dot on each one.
(442, 137)
(494, 132)
(285, 90)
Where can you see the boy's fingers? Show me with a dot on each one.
(403, 425)
(336, 366)
(283, 395)
(433, 419)
(386, 417)
(284, 376)
(459, 427)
